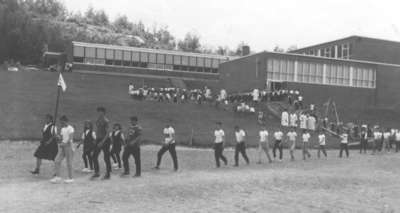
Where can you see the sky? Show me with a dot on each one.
(262, 24)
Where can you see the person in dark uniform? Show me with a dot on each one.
(89, 144)
(102, 144)
(117, 139)
(132, 147)
(169, 145)
(48, 147)
(363, 139)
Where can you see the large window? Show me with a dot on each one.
(320, 73)
(79, 51)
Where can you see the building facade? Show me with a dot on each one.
(349, 82)
(356, 48)
(109, 58)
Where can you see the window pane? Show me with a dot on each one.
(135, 56)
(110, 54)
(215, 63)
(160, 58)
(101, 53)
(127, 56)
(90, 52)
(118, 54)
(168, 59)
(177, 59)
(78, 51)
(144, 57)
(208, 62)
(200, 62)
(152, 58)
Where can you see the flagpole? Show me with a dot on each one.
(57, 103)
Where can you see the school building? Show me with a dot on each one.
(355, 72)
(145, 61)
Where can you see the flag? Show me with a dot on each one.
(61, 83)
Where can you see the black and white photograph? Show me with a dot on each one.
(214, 106)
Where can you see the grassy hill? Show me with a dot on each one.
(27, 96)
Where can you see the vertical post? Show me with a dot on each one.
(57, 103)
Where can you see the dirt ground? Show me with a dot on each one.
(362, 183)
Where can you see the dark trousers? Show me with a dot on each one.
(343, 146)
(218, 149)
(135, 151)
(321, 148)
(172, 151)
(397, 146)
(363, 145)
(115, 155)
(87, 159)
(278, 145)
(106, 154)
(240, 148)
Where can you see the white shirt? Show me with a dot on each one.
(291, 135)
(263, 136)
(306, 137)
(321, 139)
(311, 122)
(240, 135)
(293, 119)
(285, 119)
(53, 129)
(377, 135)
(345, 138)
(219, 136)
(67, 134)
(397, 136)
(386, 135)
(256, 94)
(278, 135)
(169, 135)
(303, 121)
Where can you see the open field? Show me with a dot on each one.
(362, 183)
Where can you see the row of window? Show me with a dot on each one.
(96, 61)
(145, 57)
(342, 51)
(319, 73)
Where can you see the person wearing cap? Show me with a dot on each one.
(240, 147)
(132, 147)
(169, 145)
(65, 150)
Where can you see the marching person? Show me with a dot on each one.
(397, 139)
(102, 144)
(89, 144)
(322, 143)
(169, 145)
(293, 120)
(65, 150)
(303, 121)
(363, 139)
(240, 145)
(263, 145)
(306, 139)
(278, 135)
(291, 135)
(117, 139)
(344, 143)
(48, 148)
(386, 141)
(132, 147)
(377, 139)
(285, 118)
(219, 144)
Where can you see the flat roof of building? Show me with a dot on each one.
(149, 50)
(343, 39)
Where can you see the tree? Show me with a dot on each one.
(191, 43)
(122, 24)
(278, 49)
(291, 48)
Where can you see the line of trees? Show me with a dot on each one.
(30, 27)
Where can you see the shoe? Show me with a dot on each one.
(68, 181)
(136, 175)
(175, 170)
(35, 172)
(106, 177)
(156, 168)
(95, 175)
(85, 170)
(259, 162)
(115, 165)
(124, 174)
(56, 180)
(280, 160)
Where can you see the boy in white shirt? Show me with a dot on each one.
(303, 121)
(240, 135)
(169, 145)
(263, 145)
(65, 150)
(219, 144)
(291, 135)
(293, 119)
(278, 136)
(285, 118)
(344, 140)
(322, 143)
(306, 140)
(386, 141)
